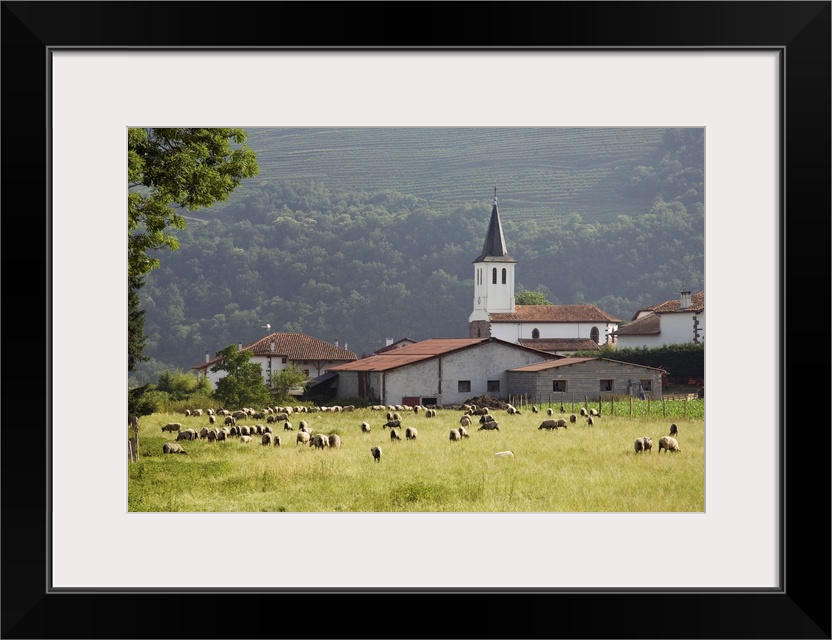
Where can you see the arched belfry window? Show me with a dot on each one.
(494, 275)
(535, 333)
(593, 334)
(504, 276)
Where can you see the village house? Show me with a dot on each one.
(679, 321)
(573, 380)
(277, 351)
(438, 371)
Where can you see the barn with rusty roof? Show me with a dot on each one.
(439, 371)
(276, 351)
(579, 379)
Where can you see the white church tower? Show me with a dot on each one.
(493, 278)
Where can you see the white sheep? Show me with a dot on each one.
(454, 436)
(302, 438)
(334, 441)
(320, 441)
(504, 454)
(365, 427)
(648, 444)
(172, 447)
(463, 433)
(410, 433)
(465, 421)
(668, 444)
(245, 439)
(376, 451)
(550, 412)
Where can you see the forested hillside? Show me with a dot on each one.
(367, 234)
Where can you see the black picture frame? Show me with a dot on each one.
(800, 31)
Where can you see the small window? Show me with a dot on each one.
(306, 372)
(493, 385)
(284, 359)
(494, 275)
(428, 401)
(646, 384)
(606, 385)
(594, 334)
(504, 276)
(463, 386)
(535, 333)
(559, 385)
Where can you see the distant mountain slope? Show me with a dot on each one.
(541, 173)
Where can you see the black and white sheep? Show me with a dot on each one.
(584, 414)
(553, 423)
(573, 417)
(594, 412)
(172, 426)
(668, 444)
(276, 440)
(394, 435)
(534, 409)
(287, 426)
(376, 451)
(365, 427)
(487, 418)
(172, 447)
(465, 421)
(550, 411)
(463, 433)
(392, 423)
(589, 421)
(266, 439)
(455, 436)
(320, 441)
(410, 433)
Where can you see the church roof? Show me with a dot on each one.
(494, 247)
(554, 313)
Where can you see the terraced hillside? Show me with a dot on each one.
(541, 173)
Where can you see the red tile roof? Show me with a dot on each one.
(295, 346)
(554, 313)
(646, 326)
(560, 344)
(697, 303)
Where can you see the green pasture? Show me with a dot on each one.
(577, 469)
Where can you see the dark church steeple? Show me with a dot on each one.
(494, 247)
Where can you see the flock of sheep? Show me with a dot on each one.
(273, 415)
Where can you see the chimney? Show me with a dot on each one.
(336, 342)
(685, 300)
(207, 357)
(272, 345)
(389, 342)
(239, 346)
(347, 346)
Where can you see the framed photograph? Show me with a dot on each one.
(755, 75)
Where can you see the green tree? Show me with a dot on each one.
(530, 297)
(136, 338)
(169, 170)
(289, 378)
(242, 385)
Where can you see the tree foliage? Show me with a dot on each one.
(531, 297)
(242, 385)
(284, 381)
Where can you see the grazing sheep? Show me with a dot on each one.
(267, 429)
(187, 412)
(276, 440)
(212, 435)
(648, 444)
(245, 439)
(203, 433)
(334, 441)
(674, 430)
(487, 418)
(376, 451)
(594, 412)
(245, 430)
(489, 426)
(534, 409)
(504, 454)
(187, 434)
(583, 413)
(590, 421)
(550, 412)
(222, 435)
(668, 444)
(455, 437)
(303, 425)
(392, 423)
(287, 426)
(197, 413)
(638, 445)
(410, 433)
(365, 427)
(211, 419)
(172, 447)
(463, 433)
(511, 409)
(465, 421)
(302, 438)
(270, 419)
(320, 441)
(394, 435)
(562, 409)
(573, 417)
(229, 420)
(552, 424)
(172, 426)
(266, 440)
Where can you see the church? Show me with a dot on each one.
(558, 329)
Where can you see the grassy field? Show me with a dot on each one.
(578, 469)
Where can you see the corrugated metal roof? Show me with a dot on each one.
(554, 313)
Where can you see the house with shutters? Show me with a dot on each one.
(277, 351)
(679, 321)
(558, 329)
